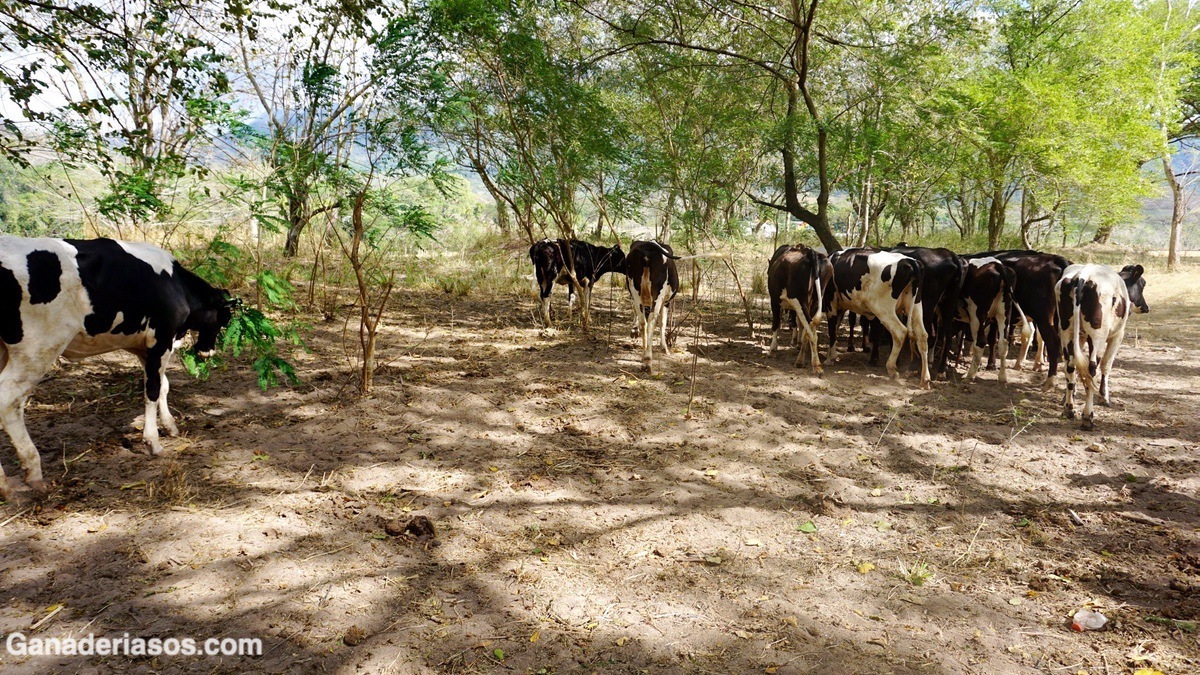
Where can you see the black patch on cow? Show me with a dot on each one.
(1089, 305)
(908, 271)
(849, 268)
(45, 274)
(10, 307)
(886, 275)
(120, 283)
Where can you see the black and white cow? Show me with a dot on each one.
(798, 278)
(74, 298)
(940, 290)
(881, 285)
(1036, 277)
(1094, 303)
(986, 298)
(551, 264)
(652, 281)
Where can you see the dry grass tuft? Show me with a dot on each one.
(172, 486)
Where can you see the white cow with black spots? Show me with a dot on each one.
(77, 298)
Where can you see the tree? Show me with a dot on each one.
(141, 85)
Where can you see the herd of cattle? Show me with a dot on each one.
(78, 298)
(931, 296)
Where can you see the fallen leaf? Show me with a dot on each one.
(537, 634)
(877, 492)
(882, 525)
(621, 641)
(1148, 671)
(713, 559)
(865, 567)
(807, 527)
(791, 621)
(753, 542)
(499, 654)
(1015, 601)
(742, 634)
(771, 670)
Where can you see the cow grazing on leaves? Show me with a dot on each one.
(986, 299)
(881, 285)
(798, 279)
(652, 281)
(73, 298)
(552, 262)
(1094, 303)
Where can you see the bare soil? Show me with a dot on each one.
(583, 518)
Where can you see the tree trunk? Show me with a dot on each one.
(296, 223)
(1103, 232)
(502, 221)
(1173, 255)
(996, 215)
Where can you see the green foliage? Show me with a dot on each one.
(249, 330)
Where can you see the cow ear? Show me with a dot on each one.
(1131, 273)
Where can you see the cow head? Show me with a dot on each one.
(211, 319)
(1136, 283)
(613, 261)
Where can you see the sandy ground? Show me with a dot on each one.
(585, 521)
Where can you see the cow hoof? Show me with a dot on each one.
(1088, 424)
(156, 448)
(37, 487)
(1048, 384)
(1069, 414)
(171, 428)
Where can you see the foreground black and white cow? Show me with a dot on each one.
(986, 298)
(798, 278)
(652, 281)
(881, 285)
(551, 264)
(73, 298)
(1094, 303)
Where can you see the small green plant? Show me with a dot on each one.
(916, 575)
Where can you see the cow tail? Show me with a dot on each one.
(647, 292)
(1081, 361)
(918, 283)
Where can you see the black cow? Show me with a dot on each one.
(1036, 276)
(798, 278)
(652, 281)
(551, 263)
(74, 298)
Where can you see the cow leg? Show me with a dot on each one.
(1002, 336)
(853, 319)
(1110, 355)
(872, 329)
(916, 329)
(17, 381)
(1039, 353)
(977, 339)
(156, 369)
(662, 322)
(776, 321)
(1069, 365)
(1053, 340)
(164, 412)
(544, 300)
(835, 318)
(992, 336)
(899, 334)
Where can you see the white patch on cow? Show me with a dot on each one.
(118, 320)
(159, 260)
(980, 262)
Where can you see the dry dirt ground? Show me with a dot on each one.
(584, 521)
